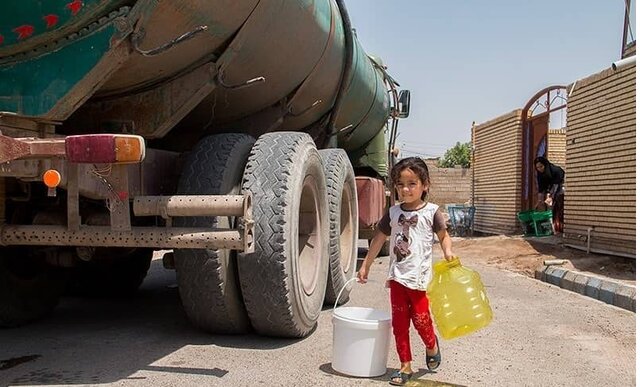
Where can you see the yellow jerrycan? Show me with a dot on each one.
(458, 301)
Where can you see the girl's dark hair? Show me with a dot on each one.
(417, 166)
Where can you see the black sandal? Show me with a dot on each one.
(400, 378)
(435, 359)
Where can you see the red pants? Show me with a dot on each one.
(406, 305)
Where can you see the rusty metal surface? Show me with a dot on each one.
(118, 202)
(323, 81)
(24, 168)
(15, 126)
(190, 205)
(281, 41)
(188, 238)
(11, 149)
(296, 48)
(156, 175)
(50, 148)
(20, 148)
(170, 19)
(201, 205)
(371, 201)
(292, 54)
(152, 113)
(73, 198)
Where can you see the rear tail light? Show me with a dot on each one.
(105, 148)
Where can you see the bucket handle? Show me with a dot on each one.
(341, 290)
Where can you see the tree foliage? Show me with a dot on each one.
(460, 154)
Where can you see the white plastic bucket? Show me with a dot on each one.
(360, 340)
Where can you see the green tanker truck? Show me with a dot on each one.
(229, 131)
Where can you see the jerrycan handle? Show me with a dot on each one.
(341, 290)
(444, 265)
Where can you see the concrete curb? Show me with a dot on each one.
(611, 292)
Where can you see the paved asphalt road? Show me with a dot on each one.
(541, 336)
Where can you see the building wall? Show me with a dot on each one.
(448, 185)
(557, 140)
(601, 162)
(497, 174)
(630, 50)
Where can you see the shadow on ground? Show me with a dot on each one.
(415, 381)
(95, 341)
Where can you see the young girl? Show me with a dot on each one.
(410, 226)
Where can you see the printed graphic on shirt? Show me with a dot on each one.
(402, 242)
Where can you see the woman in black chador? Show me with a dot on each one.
(550, 179)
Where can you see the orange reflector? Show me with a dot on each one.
(129, 149)
(51, 178)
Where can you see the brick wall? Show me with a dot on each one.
(448, 185)
(600, 181)
(497, 170)
(557, 151)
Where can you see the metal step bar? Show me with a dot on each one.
(155, 237)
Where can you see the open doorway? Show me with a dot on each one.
(543, 114)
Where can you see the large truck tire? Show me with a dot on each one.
(29, 288)
(343, 224)
(284, 281)
(208, 279)
(112, 272)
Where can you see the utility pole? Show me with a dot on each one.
(625, 30)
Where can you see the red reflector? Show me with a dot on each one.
(95, 148)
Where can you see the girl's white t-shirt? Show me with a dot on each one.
(411, 246)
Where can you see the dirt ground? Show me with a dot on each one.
(525, 255)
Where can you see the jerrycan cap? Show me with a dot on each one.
(444, 265)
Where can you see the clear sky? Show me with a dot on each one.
(468, 61)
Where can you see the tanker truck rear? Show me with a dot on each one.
(229, 132)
